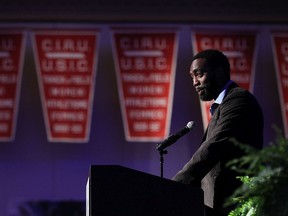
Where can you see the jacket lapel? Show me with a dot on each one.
(216, 110)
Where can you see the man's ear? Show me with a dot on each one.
(219, 73)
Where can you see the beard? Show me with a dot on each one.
(206, 96)
(207, 92)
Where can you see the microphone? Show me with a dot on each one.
(173, 138)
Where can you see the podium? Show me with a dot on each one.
(115, 190)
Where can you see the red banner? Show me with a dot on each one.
(66, 67)
(145, 65)
(239, 47)
(11, 66)
(280, 51)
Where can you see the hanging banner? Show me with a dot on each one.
(66, 68)
(145, 64)
(12, 46)
(239, 47)
(280, 52)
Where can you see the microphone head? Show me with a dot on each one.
(190, 125)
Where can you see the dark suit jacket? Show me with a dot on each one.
(239, 116)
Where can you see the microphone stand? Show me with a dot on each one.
(170, 140)
(162, 152)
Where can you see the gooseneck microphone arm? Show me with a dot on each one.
(171, 140)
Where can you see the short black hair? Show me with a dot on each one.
(215, 58)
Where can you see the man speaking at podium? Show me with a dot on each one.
(235, 114)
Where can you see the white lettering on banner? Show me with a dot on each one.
(151, 78)
(67, 104)
(146, 102)
(151, 90)
(127, 43)
(146, 114)
(240, 78)
(140, 63)
(145, 126)
(61, 128)
(284, 68)
(8, 79)
(238, 64)
(64, 65)
(6, 103)
(66, 128)
(62, 80)
(7, 64)
(223, 43)
(67, 116)
(4, 128)
(284, 49)
(5, 115)
(67, 92)
(6, 44)
(80, 45)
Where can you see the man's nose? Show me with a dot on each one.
(195, 81)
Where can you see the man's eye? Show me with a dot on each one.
(199, 74)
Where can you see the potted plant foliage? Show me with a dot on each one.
(264, 175)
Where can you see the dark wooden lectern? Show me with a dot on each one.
(116, 190)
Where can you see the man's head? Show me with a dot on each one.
(210, 71)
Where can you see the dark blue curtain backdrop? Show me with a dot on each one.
(31, 168)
